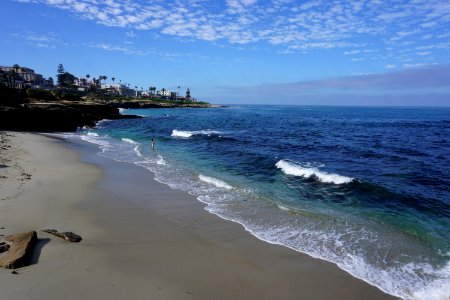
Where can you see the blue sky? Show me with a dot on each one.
(243, 51)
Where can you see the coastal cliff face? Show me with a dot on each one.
(44, 111)
(55, 116)
(35, 110)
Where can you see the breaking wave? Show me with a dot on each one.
(187, 134)
(294, 169)
(215, 181)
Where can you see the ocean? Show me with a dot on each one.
(366, 188)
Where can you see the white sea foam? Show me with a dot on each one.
(160, 160)
(282, 207)
(130, 141)
(215, 181)
(94, 138)
(317, 239)
(101, 122)
(121, 110)
(294, 169)
(179, 133)
(92, 134)
(187, 134)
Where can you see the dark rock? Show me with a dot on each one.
(68, 236)
(20, 251)
(57, 116)
(4, 247)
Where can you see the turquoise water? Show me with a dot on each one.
(365, 188)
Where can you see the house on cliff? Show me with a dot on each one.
(118, 89)
(20, 77)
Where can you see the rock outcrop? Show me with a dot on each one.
(68, 236)
(56, 116)
(20, 251)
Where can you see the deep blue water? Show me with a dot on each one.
(365, 188)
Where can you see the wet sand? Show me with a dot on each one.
(141, 239)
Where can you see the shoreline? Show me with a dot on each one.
(141, 239)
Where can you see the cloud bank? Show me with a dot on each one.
(400, 26)
(422, 86)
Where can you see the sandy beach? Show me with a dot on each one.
(141, 239)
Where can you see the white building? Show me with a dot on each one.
(23, 76)
(165, 93)
(119, 89)
(81, 82)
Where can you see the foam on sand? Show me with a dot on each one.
(291, 168)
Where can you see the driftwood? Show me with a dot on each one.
(68, 236)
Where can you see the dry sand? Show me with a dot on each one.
(141, 239)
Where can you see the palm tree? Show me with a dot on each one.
(179, 87)
(163, 90)
(88, 76)
(188, 94)
(113, 78)
(60, 69)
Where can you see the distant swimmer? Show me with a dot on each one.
(153, 144)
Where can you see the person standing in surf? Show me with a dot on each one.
(153, 144)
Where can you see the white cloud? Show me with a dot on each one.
(284, 24)
(122, 49)
(47, 40)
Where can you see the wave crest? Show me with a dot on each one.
(130, 141)
(92, 134)
(187, 134)
(215, 181)
(294, 169)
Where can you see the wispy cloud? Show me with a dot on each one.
(122, 49)
(47, 40)
(285, 24)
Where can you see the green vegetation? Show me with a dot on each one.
(55, 95)
(41, 94)
(65, 79)
(71, 88)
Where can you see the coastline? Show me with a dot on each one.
(142, 239)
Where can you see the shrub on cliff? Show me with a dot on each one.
(41, 94)
(65, 95)
(69, 97)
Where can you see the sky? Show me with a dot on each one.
(316, 52)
